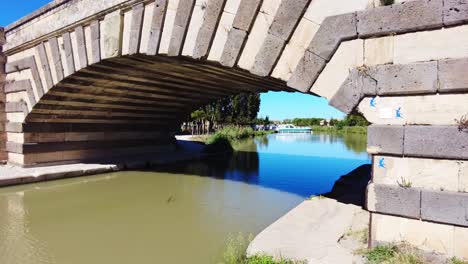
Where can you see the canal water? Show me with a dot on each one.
(177, 214)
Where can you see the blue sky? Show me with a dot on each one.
(276, 105)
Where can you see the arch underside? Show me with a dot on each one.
(125, 106)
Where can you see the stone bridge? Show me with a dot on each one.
(87, 79)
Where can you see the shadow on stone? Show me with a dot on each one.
(351, 188)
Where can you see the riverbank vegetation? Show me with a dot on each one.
(223, 139)
(403, 254)
(235, 252)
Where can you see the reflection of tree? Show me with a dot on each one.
(240, 166)
(263, 141)
(355, 142)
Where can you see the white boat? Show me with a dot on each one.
(288, 128)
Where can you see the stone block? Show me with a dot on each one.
(455, 12)
(350, 55)
(426, 236)
(208, 28)
(286, 18)
(306, 72)
(437, 109)
(385, 139)
(429, 174)
(2, 36)
(400, 79)
(111, 35)
(394, 200)
(378, 51)
(453, 76)
(135, 28)
(179, 29)
(460, 245)
(246, 14)
(331, 33)
(447, 43)
(295, 49)
(353, 90)
(267, 56)
(232, 47)
(319, 10)
(445, 207)
(401, 18)
(463, 177)
(156, 26)
(436, 141)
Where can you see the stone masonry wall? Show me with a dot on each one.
(3, 153)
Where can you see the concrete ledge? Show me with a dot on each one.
(400, 18)
(394, 200)
(445, 207)
(385, 139)
(436, 141)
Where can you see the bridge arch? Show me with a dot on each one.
(85, 80)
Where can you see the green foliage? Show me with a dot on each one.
(392, 254)
(307, 121)
(381, 254)
(218, 143)
(404, 183)
(342, 130)
(455, 260)
(236, 247)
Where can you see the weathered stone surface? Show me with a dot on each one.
(67, 46)
(246, 14)
(286, 18)
(434, 109)
(27, 63)
(429, 174)
(14, 127)
(306, 72)
(447, 43)
(232, 47)
(385, 139)
(400, 18)
(110, 35)
(181, 22)
(455, 12)
(445, 207)
(267, 56)
(2, 36)
(331, 33)
(81, 47)
(12, 107)
(394, 200)
(208, 28)
(358, 85)
(56, 58)
(135, 28)
(436, 141)
(463, 177)
(460, 247)
(45, 65)
(453, 76)
(156, 27)
(348, 56)
(399, 79)
(17, 86)
(378, 51)
(386, 229)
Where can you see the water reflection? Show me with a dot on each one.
(301, 164)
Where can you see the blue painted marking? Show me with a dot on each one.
(382, 163)
(372, 102)
(398, 113)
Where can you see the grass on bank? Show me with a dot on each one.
(235, 252)
(342, 130)
(222, 140)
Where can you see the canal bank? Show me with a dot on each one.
(147, 216)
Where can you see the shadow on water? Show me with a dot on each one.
(265, 162)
